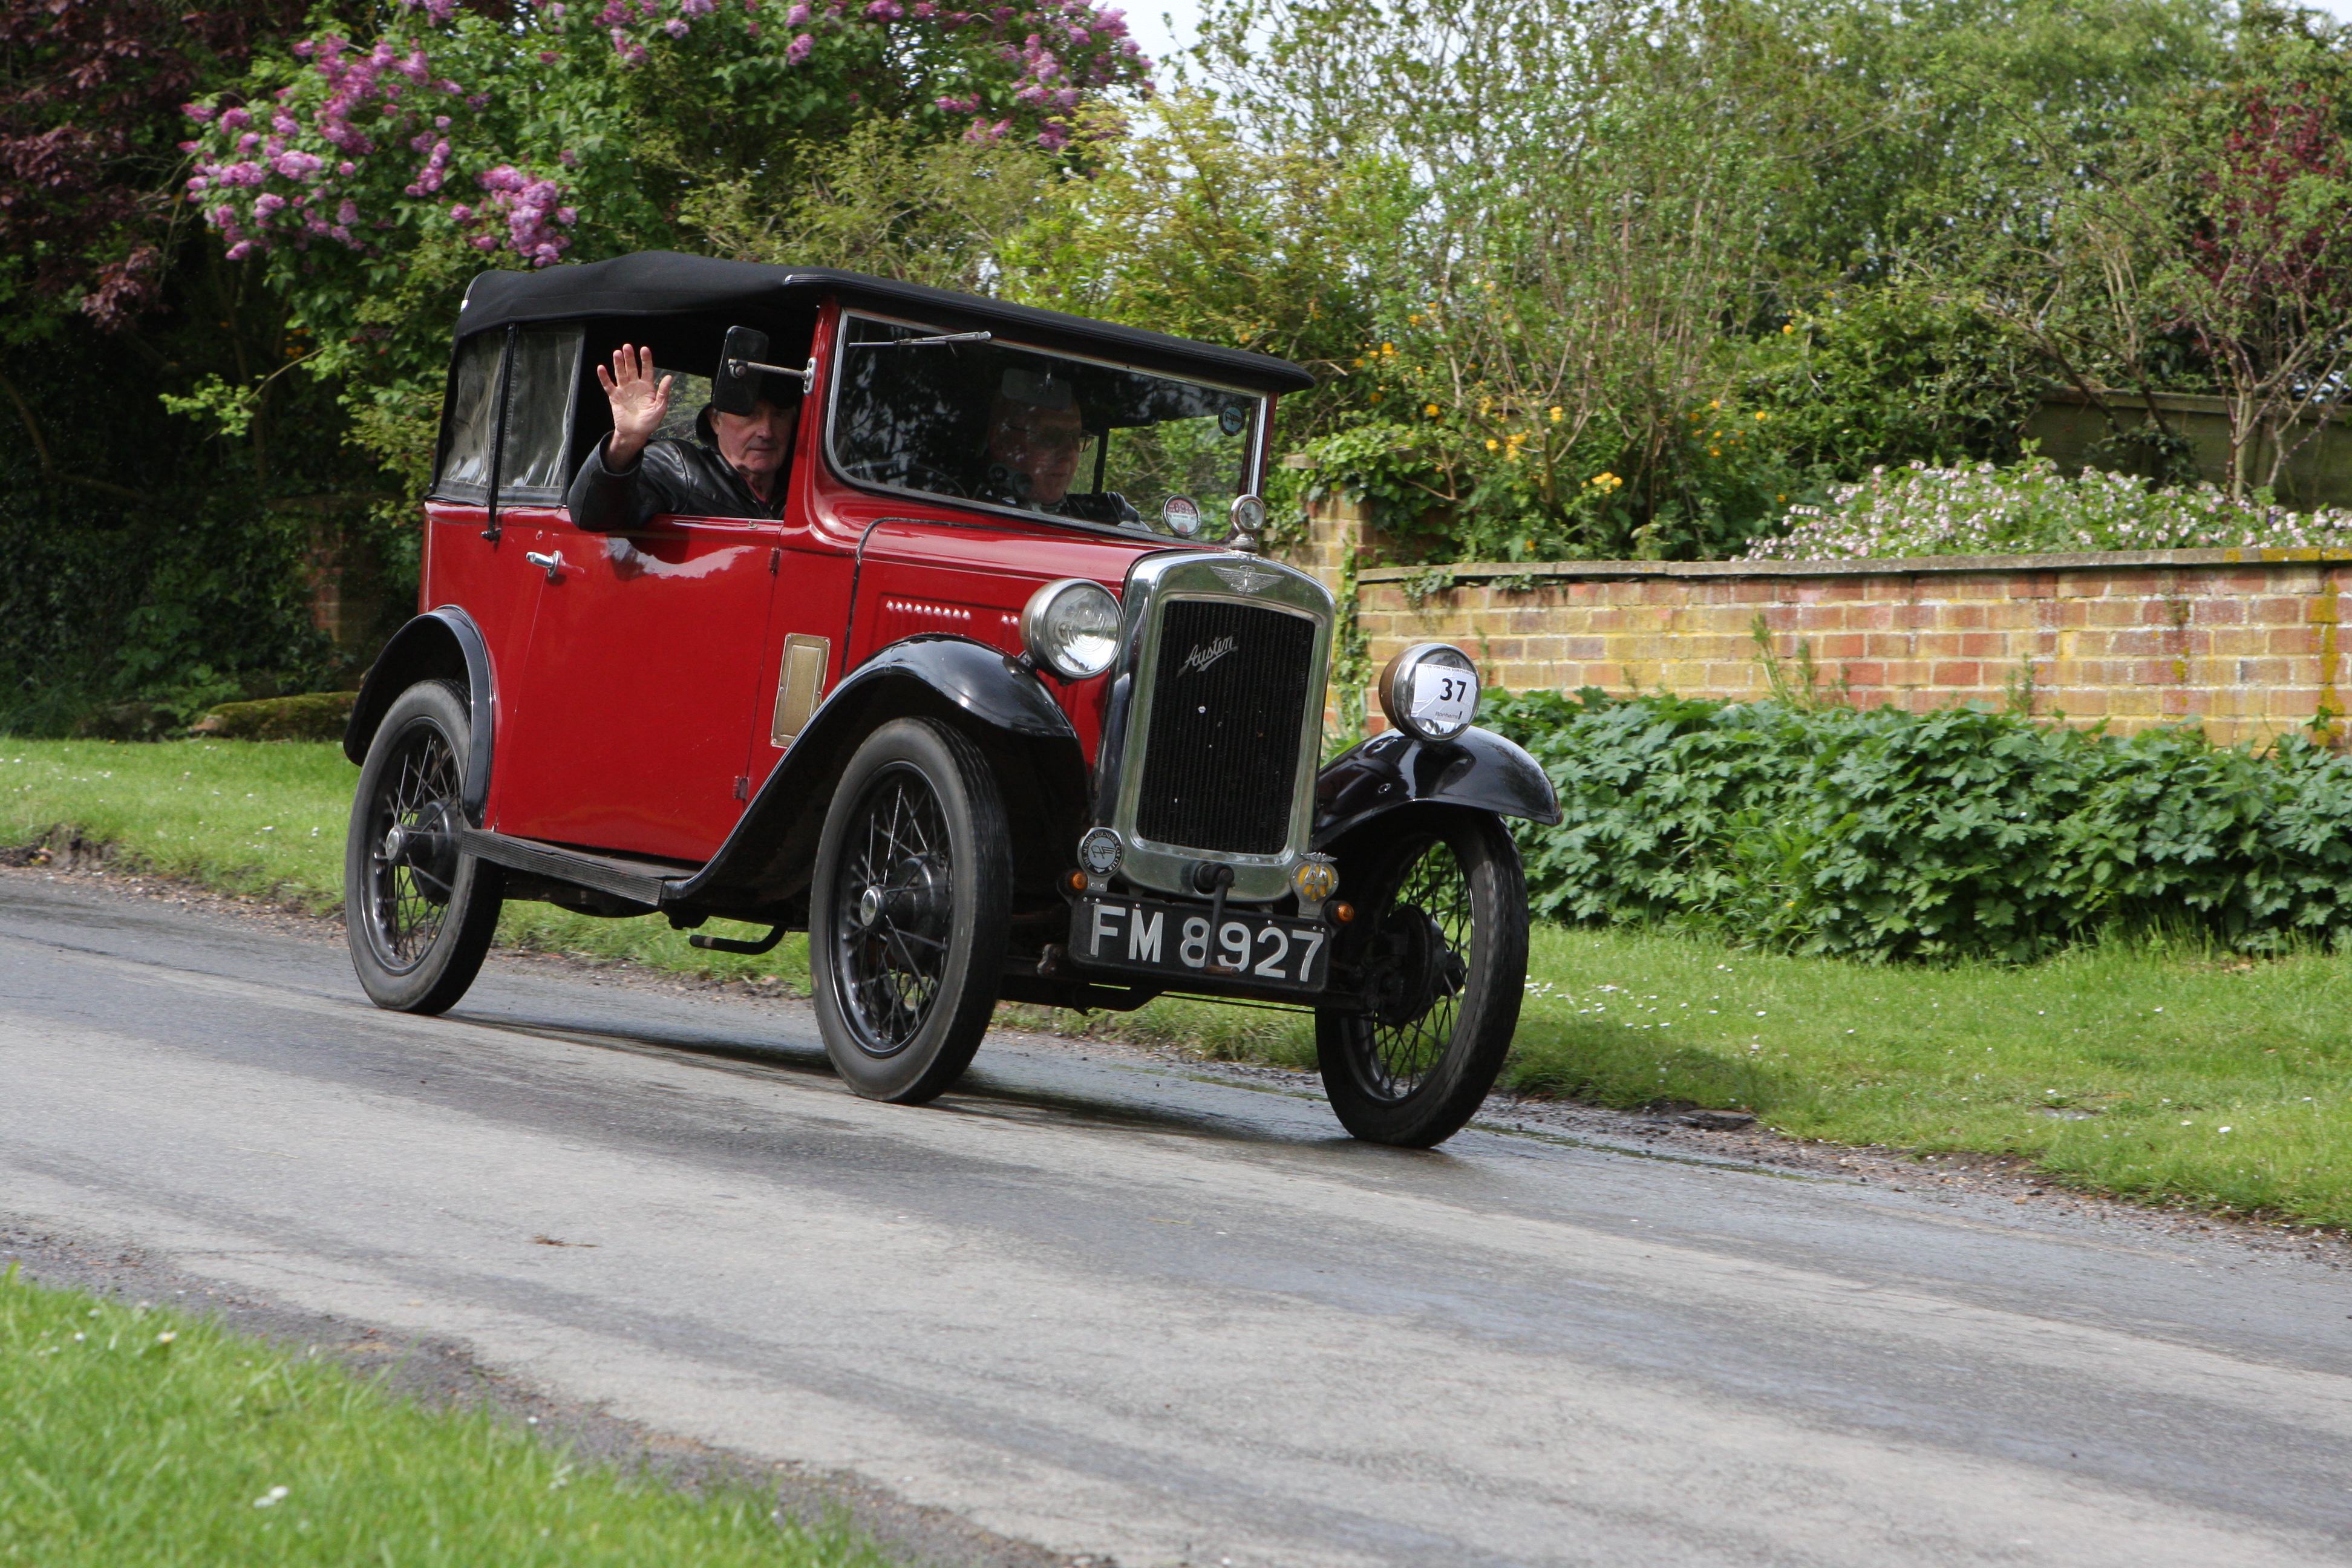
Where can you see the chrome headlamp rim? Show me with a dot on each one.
(1396, 689)
(1039, 627)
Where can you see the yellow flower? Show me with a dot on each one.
(1431, 411)
(1556, 415)
(1388, 348)
(1782, 499)
(1360, 364)
(1492, 443)
(1711, 451)
(1717, 403)
(1413, 320)
(1788, 328)
(1759, 416)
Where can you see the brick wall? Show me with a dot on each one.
(2245, 641)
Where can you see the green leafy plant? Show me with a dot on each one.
(1959, 833)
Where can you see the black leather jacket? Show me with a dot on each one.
(686, 478)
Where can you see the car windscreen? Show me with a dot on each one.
(1041, 432)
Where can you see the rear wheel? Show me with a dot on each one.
(909, 912)
(1440, 944)
(418, 914)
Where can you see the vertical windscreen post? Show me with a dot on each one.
(498, 428)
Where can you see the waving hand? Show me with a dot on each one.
(638, 404)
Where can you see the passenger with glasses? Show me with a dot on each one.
(1036, 434)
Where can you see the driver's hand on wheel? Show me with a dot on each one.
(639, 405)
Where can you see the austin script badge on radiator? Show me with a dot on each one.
(1206, 653)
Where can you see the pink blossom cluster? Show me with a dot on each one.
(334, 155)
(1061, 50)
(532, 212)
(305, 177)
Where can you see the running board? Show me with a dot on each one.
(648, 882)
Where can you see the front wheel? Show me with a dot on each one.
(909, 912)
(418, 914)
(1440, 947)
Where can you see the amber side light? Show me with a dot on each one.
(1077, 881)
(1343, 912)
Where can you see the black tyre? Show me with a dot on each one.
(418, 914)
(1440, 943)
(909, 912)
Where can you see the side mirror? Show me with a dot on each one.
(736, 387)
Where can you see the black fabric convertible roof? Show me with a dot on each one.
(666, 283)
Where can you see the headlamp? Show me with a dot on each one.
(1071, 627)
(1430, 691)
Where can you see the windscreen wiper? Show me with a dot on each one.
(924, 342)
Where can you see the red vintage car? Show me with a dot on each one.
(977, 744)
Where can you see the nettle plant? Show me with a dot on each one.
(2033, 509)
(514, 126)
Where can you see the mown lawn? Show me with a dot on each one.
(138, 1438)
(2162, 1073)
(267, 819)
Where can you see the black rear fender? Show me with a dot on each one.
(440, 645)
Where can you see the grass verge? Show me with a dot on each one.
(137, 1437)
(267, 820)
(2167, 1073)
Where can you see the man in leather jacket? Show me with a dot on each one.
(735, 469)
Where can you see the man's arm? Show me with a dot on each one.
(608, 492)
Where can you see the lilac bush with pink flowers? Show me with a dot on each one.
(513, 130)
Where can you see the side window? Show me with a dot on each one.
(473, 408)
(539, 416)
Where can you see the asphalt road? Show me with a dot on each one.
(1111, 1309)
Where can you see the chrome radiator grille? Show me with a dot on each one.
(1222, 753)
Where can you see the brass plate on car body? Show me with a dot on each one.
(798, 685)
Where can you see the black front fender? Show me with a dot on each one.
(440, 645)
(766, 860)
(1476, 768)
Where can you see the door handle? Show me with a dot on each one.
(553, 561)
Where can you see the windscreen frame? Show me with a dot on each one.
(1253, 464)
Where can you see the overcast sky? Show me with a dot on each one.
(1163, 27)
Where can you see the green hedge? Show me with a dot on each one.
(1959, 833)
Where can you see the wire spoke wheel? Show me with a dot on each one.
(909, 912)
(411, 850)
(418, 912)
(1424, 947)
(1437, 957)
(891, 903)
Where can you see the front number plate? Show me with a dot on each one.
(1174, 940)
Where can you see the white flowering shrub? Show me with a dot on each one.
(2031, 509)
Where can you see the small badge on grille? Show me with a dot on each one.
(1243, 577)
(1099, 851)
